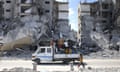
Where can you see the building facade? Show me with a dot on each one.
(101, 10)
(83, 10)
(20, 8)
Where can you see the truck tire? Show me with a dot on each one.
(37, 61)
(66, 61)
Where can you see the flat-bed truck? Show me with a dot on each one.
(49, 54)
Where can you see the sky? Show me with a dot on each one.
(73, 12)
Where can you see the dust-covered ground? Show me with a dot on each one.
(25, 54)
(18, 70)
(109, 65)
(101, 70)
(107, 54)
(81, 70)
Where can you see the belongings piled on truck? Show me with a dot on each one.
(64, 46)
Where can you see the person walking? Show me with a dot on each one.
(81, 61)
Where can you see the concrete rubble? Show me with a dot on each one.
(33, 28)
(94, 39)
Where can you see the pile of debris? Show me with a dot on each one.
(94, 38)
(32, 29)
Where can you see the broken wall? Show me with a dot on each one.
(92, 35)
(34, 28)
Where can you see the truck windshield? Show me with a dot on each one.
(42, 50)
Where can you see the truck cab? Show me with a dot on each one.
(43, 54)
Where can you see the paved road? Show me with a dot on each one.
(101, 63)
(93, 63)
(15, 63)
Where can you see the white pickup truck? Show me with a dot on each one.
(47, 53)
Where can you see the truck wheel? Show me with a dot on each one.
(73, 61)
(65, 61)
(37, 61)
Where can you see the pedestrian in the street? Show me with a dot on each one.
(81, 61)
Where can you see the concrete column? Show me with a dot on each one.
(19, 7)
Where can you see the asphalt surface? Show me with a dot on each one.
(58, 66)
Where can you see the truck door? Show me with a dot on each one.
(45, 54)
(41, 54)
(48, 54)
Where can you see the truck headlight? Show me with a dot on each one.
(33, 56)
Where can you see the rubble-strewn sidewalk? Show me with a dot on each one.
(106, 54)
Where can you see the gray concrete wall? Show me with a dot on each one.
(48, 9)
(8, 9)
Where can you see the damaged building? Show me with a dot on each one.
(27, 22)
(98, 24)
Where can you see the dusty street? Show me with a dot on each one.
(92, 64)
